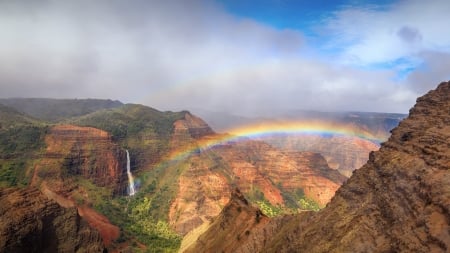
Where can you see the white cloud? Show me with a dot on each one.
(181, 55)
(401, 30)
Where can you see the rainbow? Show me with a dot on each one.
(304, 127)
(261, 130)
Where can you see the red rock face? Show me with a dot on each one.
(204, 186)
(257, 164)
(84, 151)
(201, 196)
(191, 127)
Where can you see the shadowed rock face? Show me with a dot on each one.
(234, 223)
(30, 222)
(398, 202)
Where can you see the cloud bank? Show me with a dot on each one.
(175, 55)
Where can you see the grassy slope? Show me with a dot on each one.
(21, 142)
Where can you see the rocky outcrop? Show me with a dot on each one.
(188, 129)
(30, 222)
(398, 202)
(235, 223)
(81, 151)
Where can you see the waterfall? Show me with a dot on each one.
(131, 190)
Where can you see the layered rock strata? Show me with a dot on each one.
(83, 151)
(256, 168)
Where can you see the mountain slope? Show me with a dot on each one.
(10, 117)
(398, 202)
(57, 109)
(21, 143)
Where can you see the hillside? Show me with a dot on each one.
(398, 202)
(21, 142)
(12, 118)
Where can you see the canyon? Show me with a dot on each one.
(397, 202)
(184, 173)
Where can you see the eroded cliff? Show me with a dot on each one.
(267, 176)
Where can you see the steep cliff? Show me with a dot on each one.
(30, 222)
(398, 202)
(80, 151)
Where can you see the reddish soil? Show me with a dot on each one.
(108, 231)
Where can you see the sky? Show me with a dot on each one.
(240, 57)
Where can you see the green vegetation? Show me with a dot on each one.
(268, 209)
(58, 109)
(144, 217)
(144, 131)
(294, 202)
(257, 197)
(298, 201)
(21, 140)
(308, 204)
(130, 120)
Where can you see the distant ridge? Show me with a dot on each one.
(53, 110)
(11, 117)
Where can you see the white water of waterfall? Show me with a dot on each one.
(131, 190)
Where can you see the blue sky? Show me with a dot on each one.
(241, 57)
(308, 17)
